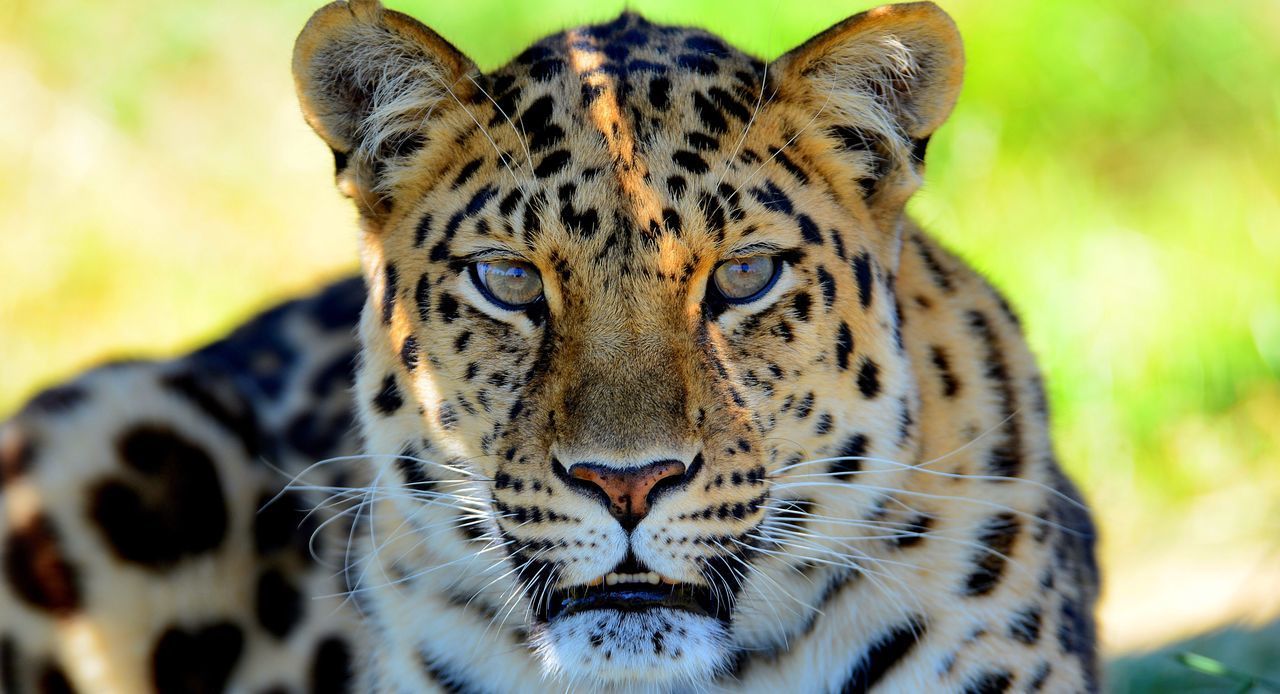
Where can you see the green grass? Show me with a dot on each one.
(1114, 165)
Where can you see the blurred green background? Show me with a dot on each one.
(1114, 165)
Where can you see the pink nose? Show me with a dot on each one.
(627, 488)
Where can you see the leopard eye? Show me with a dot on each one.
(510, 284)
(743, 280)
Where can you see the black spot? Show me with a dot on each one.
(422, 297)
(889, 650)
(53, 680)
(544, 70)
(781, 157)
(646, 66)
(468, 170)
(282, 523)
(853, 448)
(697, 63)
(198, 660)
(939, 274)
(728, 103)
(411, 469)
(510, 201)
(805, 406)
(989, 683)
(447, 307)
(671, 221)
(800, 306)
(1005, 457)
(915, 531)
(279, 606)
(170, 505)
(409, 353)
(38, 571)
(1025, 625)
(421, 230)
(869, 379)
(388, 399)
(440, 251)
(552, 164)
(950, 385)
(809, 230)
(844, 345)
(676, 187)
(537, 126)
(714, 213)
(862, 273)
(772, 198)
(712, 120)
(690, 161)
(1039, 677)
(828, 284)
(479, 200)
(331, 667)
(392, 278)
(706, 44)
(1075, 629)
(660, 92)
(448, 416)
(700, 142)
(997, 539)
(586, 222)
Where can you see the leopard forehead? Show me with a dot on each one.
(636, 148)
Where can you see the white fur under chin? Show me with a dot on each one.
(653, 650)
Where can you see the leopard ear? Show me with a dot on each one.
(369, 79)
(882, 82)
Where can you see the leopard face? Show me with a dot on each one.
(632, 325)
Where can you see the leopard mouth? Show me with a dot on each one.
(630, 587)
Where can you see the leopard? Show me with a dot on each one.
(648, 383)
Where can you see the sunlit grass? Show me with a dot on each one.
(1113, 165)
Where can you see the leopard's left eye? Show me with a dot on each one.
(511, 284)
(743, 280)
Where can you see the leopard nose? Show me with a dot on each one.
(628, 489)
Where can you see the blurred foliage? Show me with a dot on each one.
(1180, 668)
(1114, 165)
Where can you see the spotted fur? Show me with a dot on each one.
(868, 490)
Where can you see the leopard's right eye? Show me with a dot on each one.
(743, 280)
(510, 284)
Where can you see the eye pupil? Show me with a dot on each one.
(511, 284)
(742, 280)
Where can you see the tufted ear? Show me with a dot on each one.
(881, 81)
(368, 80)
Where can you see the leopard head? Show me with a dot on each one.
(621, 289)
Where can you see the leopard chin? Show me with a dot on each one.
(623, 648)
